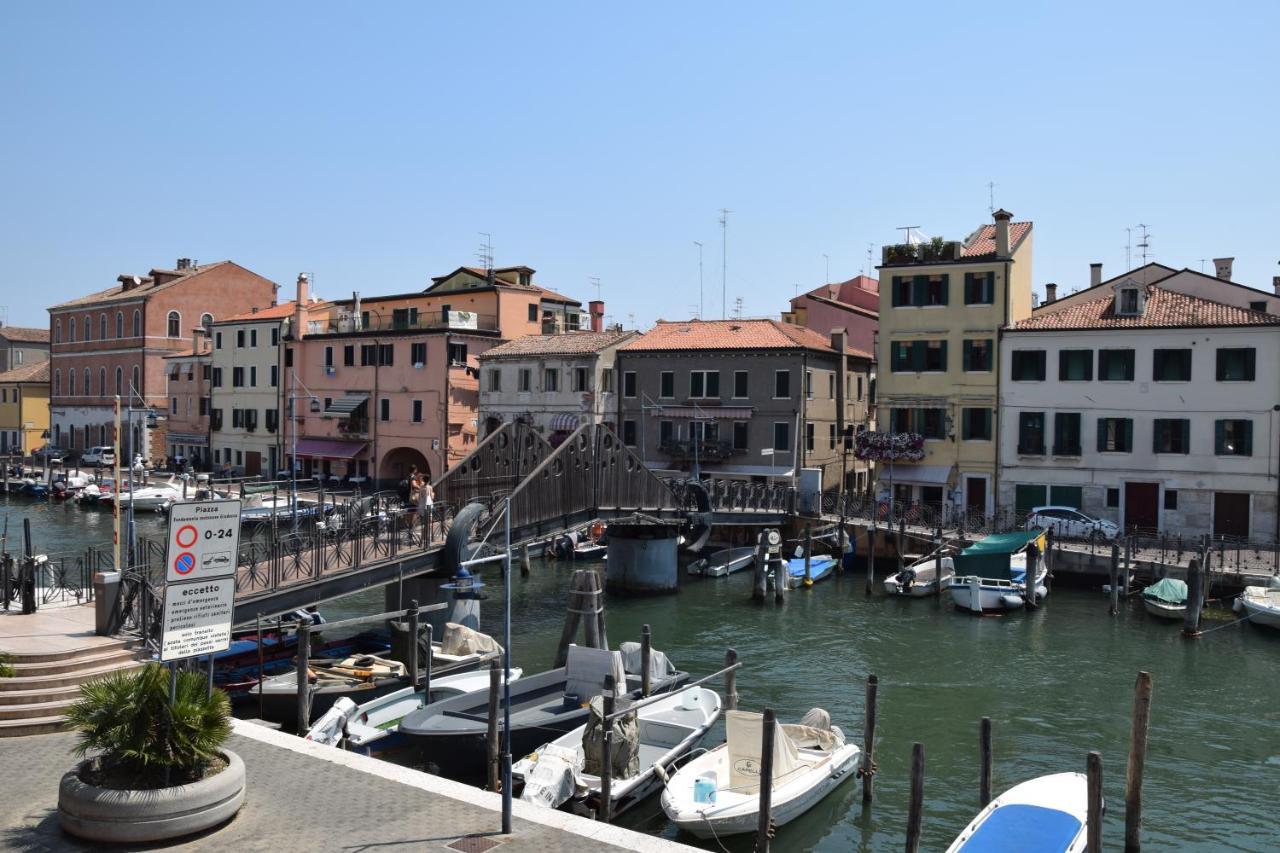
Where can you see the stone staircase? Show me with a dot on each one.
(35, 699)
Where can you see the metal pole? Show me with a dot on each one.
(119, 566)
(764, 821)
(506, 675)
(293, 450)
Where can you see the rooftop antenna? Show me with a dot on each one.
(1128, 249)
(797, 287)
(696, 311)
(870, 262)
(991, 196)
(631, 319)
(737, 308)
(699, 245)
(908, 229)
(1202, 263)
(724, 258)
(1145, 243)
(827, 258)
(594, 281)
(485, 255)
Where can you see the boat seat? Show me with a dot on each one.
(585, 669)
(662, 733)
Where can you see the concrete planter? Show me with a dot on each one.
(115, 816)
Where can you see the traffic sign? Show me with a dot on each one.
(204, 537)
(197, 617)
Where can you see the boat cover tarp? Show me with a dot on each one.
(817, 566)
(743, 731)
(625, 748)
(660, 666)
(815, 731)
(585, 669)
(328, 729)
(461, 641)
(1170, 590)
(989, 557)
(552, 780)
(1019, 827)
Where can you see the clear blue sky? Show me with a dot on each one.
(370, 143)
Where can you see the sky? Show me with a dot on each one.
(372, 144)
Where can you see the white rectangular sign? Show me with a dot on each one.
(204, 537)
(197, 617)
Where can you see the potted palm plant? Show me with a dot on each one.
(152, 769)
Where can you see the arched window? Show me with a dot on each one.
(88, 327)
(119, 381)
(57, 331)
(88, 386)
(137, 323)
(71, 382)
(102, 327)
(102, 381)
(71, 329)
(175, 324)
(57, 383)
(137, 385)
(206, 322)
(119, 324)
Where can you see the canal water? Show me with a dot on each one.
(1056, 683)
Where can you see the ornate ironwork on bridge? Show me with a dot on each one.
(497, 465)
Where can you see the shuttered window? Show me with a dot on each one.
(1236, 364)
(979, 288)
(1115, 365)
(1066, 434)
(1171, 365)
(1075, 365)
(1027, 365)
(1115, 435)
(1171, 435)
(1233, 438)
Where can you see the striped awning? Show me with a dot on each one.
(346, 405)
(728, 413)
(564, 422)
(330, 448)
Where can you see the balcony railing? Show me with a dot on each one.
(705, 450)
(424, 322)
(354, 426)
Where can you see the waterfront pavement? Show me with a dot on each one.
(56, 629)
(304, 796)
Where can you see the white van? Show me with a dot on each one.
(104, 456)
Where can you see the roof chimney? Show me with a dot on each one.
(184, 264)
(1050, 293)
(1275, 284)
(357, 317)
(1223, 267)
(596, 308)
(1095, 275)
(1002, 218)
(300, 309)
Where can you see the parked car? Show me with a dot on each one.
(1071, 523)
(49, 453)
(104, 456)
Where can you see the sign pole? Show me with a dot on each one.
(115, 503)
(200, 564)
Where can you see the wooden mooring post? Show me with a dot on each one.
(303, 672)
(937, 565)
(1093, 831)
(1128, 565)
(871, 557)
(524, 560)
(808, 554)
(730, 681)
(984, 774)
(915, 806)
(1031, 579)
(413, 642)
(760, 587)
(1115, 578)
(1195, 599)
(604, 808)
(586, 599)
(646, 652)
(1137, 763)
(764, 826)
(781, 579)
(868, 769)
(491, 736)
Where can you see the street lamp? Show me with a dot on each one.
(293, 441)
(152, 420)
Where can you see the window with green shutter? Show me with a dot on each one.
(975, 424)
(1115, 365)
(1027, 365)
(1171, 435)
(900, 356)
(935, 291)
(1236, 364)
(1075, 365)
(977, 356)
(1066, 434)
(1233, 438)
(1171, 365)
(902, 290)
(1027, 497)
(1072, 496)
(1115, 435)
(979, 288)
(1031, 433)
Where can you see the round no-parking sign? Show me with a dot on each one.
(185, 564)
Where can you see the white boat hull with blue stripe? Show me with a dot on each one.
(1044, 815)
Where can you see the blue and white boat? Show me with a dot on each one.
(991, 574)
(1044, 815)
(820, 568)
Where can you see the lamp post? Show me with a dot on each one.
(293, 442)
(152, 420)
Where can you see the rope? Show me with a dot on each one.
(1228, 625)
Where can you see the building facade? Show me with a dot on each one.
(554, 383)
(1148, 405)
(186, 424)
(743, 398)
(24, 408)
(942, 305)
(114, 342)
(20, 345)
(852, 305)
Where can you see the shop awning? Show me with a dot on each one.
(346, 405)
(930, 475)
(564, 422)
(199, 439)
(728, 413)
(330, 448)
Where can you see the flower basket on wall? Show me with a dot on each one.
(889, 447)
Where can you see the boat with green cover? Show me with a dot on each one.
(1166, 599)
(992, 573)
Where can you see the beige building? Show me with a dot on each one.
(942, 305)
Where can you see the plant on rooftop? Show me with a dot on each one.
(900, 253)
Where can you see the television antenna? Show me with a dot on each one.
(1128, 249)
(699, 245)
(908, 229)
(485, 254)
(991, 196)
(724, 257)
(870, 262)
(1145, 243)
(594, 281)
(827, 258)
(737, 308)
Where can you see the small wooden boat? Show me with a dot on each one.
(1038, 816)
(1262, 605)
(235, 670)
(991, 574)
(374, 727)
(820, 567)
(920, 578)
(1166, 599)
(453, 733)
(718, 793)
(724, 562)
(559, 774)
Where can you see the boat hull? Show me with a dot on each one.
(991, 596)
(1164, 610)
(820, 568)
(1046, 813)
(1262, 607)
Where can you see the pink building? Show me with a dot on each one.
(852, 305)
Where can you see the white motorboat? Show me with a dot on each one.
(991, 574)
(158, 497)
(920, 578)
(724, 562)
(375, 725)
(718, 793)
(1262, 604)
(567, 770)
(1166, 599)
(1046, 814)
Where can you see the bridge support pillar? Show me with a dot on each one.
(642, 556)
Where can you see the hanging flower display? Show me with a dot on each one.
(889, 447)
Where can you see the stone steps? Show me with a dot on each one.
(35, 699)
(110, 657)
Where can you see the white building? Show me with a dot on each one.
(1145, 401)
(554, 382)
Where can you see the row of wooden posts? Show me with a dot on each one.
(1197, 585)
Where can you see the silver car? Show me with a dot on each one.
(1071, 523)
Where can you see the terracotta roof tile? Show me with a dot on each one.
(147, 287)
(25, 334)
(982, 243)
(569, 343)
(729, 335)
(1164, 309)
(36, 371)
(275, 312)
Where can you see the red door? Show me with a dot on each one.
(252, 463)
(1231, 515)
(1142, 506)
(975, 496)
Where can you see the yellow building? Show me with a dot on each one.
(24, 408)
(942, 305)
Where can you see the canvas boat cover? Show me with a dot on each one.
(461, 641)
(1019, 827)
(1168, 590)
(585, 669)
(815, 731)
(624, 752)
(660, 666)
(552, 779)
(743, 731)
(328, 729)
(989, 557)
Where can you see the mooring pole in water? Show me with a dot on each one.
(524, 560)
(781, 578)
(808, 554)
(937, 565)
(760, 588)
(764, 826)
(1115, 578)
(871, 557)
(495, 675)
(984, 748)
(1137, 763)
(1195, 599)
(915, 807)
(302, 672)
(413, 643)
(1093, 831)
(868, 769)
(730, 680)
(604, 808)
(646, 652)
(1128, 564)
(261, 666)
(426, 668)
(1031, 578)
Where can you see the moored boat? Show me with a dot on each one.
(724, 562)
(820, 568)
(1166, 599)
(1043, 815)
(920, 578)
(1262, 605)
(992, 573)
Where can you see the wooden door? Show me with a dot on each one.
(1142, 506)
(1231, 515)
(252, 463)
(975, 496)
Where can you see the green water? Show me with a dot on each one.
(1056, 684)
